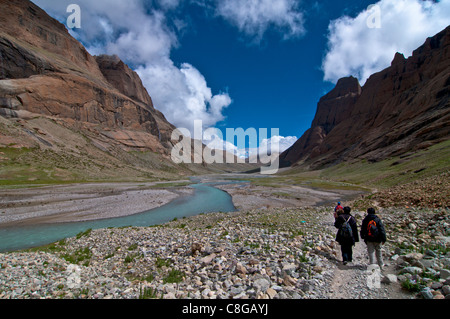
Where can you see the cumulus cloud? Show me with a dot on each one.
(183, 95)
(276, 144)
(361, 46)
(140, 34)
(255, 17)
(271, 146)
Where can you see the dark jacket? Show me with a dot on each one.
(382, 232)
(352, 221)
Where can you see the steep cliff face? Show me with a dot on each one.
(125, 80)
(402, 108)
(47, 72)
(34, 43)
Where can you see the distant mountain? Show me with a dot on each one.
(403, 108)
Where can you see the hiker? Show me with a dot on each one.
(338, 207)
(347, 234)
(374, 235)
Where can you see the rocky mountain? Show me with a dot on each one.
(46, 71)
(405, 107)
(70, 115)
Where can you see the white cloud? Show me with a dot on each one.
(182, 94)
(255, 17)
(277, 144)
(273, 145)
(140, 35)
(213, 138)
(355, 49)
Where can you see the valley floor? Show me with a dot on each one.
(286, 253)
(276, 253)
(82, 202)
(268, 252)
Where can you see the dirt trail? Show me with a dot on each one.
(356, 281)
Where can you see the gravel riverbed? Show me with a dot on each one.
(282, 253)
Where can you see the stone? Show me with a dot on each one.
(430, 253)
(444, 274)
(289, 268)
(427, 263)
(289, 281)
(413, 256)
(169, 295)
(236, 290)
(436, 285)
(446, 290)
(411, 270)
(196, 248)
(389, 279)
(261, 284)
(271, 293)
(426, 293)
(207, 260)
(240, 269)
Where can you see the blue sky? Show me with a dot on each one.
(273, 83)
(252, 63)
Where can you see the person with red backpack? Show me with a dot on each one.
(336, 209)
(374, 235)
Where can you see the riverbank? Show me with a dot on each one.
(87, 202)
(265, 253)
(248, 196)
(82, 202)
(287, 253)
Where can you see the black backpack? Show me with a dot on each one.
(346, 232)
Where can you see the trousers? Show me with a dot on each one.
(375, 254)
(347, 252)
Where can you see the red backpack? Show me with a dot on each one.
(372, 230)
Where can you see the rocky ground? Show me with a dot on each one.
(428, 192)
(278, 253)
(247, 196)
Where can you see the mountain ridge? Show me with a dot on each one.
(46, 71)
(401, 108)
(67, 115)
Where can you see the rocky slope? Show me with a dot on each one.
(402, 108)
(287, 253)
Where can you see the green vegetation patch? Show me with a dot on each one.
(82, 255)
(393, 171)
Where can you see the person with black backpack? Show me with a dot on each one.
(374, 235)
(347, 234)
